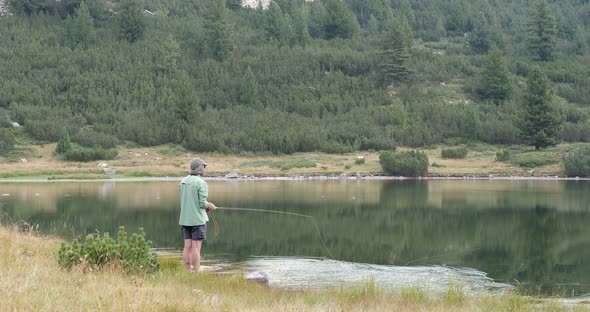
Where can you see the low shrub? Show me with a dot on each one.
(410, 163)
(577, 163)
(359, 160)
(7, 140)
(503, 155)
(335, 148)
(534, 159)
(90, 138)
(457, 152)
(89, 154)
(576, 132)
(95, 252)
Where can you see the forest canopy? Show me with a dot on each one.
(327, 75)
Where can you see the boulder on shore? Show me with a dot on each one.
(258, 277)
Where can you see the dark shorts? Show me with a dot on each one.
(197, 232)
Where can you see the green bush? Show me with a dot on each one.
(64, 145)
(457, 152)
(503, 155)
(89, 154)
(577, 163)
(7, 140)
(359, 160)
(95, 252)
(410, 163)
(576, 132)
(90, 138)
(332, 147)
(534, 159)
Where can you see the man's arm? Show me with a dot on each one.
(203, 194)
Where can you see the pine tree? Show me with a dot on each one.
(542, 33)
(80, 29)
(64, 145)
(218, 35)
(484, 35)
(249, 89)
(396, 53)
(541, 122)
(339, 20)
(495, 79)
(373, 25)
(131, 23)
(300, 26)
(169, 53)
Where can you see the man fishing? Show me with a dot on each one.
(193, 214)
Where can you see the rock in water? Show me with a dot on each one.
(232, 175)
(258, 277)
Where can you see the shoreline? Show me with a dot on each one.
(302, 178)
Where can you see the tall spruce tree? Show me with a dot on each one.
(542, 33)
(218, 34)
(396, 53)
(131, 23)
(541, 122)
(495, 83)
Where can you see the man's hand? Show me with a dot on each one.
(211, 207)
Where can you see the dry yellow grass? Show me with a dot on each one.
(31, 280)
(172, 161)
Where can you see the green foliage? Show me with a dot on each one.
(495, 84)
(216, 79)
(339, 22)
(64, 145)
(95, 252)
(332, 147)
(503, 155)
(576, 132)
(542, 33)
(541, 121)
(218, 34)
(534, 159)
(456, 153)
(484, 35)
(84, 154)
(396, 54)
(296, 163)
(90, 138)
(131, 21)
(359, 160)
(7, 140)
(80, 29)
(409, 163)
(577, 162)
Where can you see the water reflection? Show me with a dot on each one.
(528, 233)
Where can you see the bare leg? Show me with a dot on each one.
(186, 254)
(195, 255)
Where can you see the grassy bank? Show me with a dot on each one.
(32, 280)
(37, 161)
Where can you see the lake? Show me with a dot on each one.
(532, 234)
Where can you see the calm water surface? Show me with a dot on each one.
(533, 234)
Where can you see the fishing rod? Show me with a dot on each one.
(277, 212)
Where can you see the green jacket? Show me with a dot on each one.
(193, 201)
